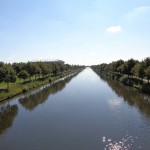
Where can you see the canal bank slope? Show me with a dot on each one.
(19, 88)
(124, 79)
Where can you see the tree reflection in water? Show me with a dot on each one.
(131, 95)
(7, 115)
(31, 101)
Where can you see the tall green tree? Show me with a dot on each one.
(124, 68)
(138, 70)
(18, 67)
(10, 75)
(44, 68)
(23, 75)
(116, 64)
(147, 73)
(55, 69)
(147, 62)
(2, 72)
(30, 69)
(130, 65)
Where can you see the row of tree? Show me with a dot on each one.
(10, 72)
(131, 67)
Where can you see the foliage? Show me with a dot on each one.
(23, 74)
(138, 70)
(124, 80)
(130, 67)
(12, 76)
(7, 74)
(147, 73)
(130, 72)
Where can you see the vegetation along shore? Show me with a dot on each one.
(17, 78)
(131, 72)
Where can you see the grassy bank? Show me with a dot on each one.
(21, 87)
(132, 81)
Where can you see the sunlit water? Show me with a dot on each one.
(82, 112)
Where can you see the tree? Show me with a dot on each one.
(55, 69)
(23, 74)
(116, 64)
(38, 71)
(61, 67)
(18, 67)
(147, 73)
(138, 70)
(30, 69)
(44, 69)
(67, 67)
(130, 65)
(10, 74)
(124, 68)
(2, 72)
(147, 62)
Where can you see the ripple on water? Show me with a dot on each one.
(125, 143)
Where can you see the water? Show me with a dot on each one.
(82, 112)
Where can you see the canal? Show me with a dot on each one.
(81, 112)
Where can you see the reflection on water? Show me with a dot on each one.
(114, 103)
(7, 115)
(124, 144)
(89, 114)
(130, 95)
(32, 100)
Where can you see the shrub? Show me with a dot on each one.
(118, 76)
(124, 80)
(25, 89)
(50, 80)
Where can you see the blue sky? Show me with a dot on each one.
(76, 31)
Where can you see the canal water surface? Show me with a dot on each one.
(82, 112)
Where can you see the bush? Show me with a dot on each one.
(50, 80)
(118, 76)
(25, 89)
(124, 80)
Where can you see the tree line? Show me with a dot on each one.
(131, 67)
(10, 72)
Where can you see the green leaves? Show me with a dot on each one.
(147, 73)
(23, 74)
(7, 73)
(129, 67)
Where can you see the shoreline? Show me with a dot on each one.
(138, 87)
(44, 82)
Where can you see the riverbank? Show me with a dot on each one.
(18, 88)
(139, 84)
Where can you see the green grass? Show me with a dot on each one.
(15, 89)
(3, 85)
(23, 86)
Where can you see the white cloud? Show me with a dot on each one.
(114, 103)
(114, 29)
(138, 11)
